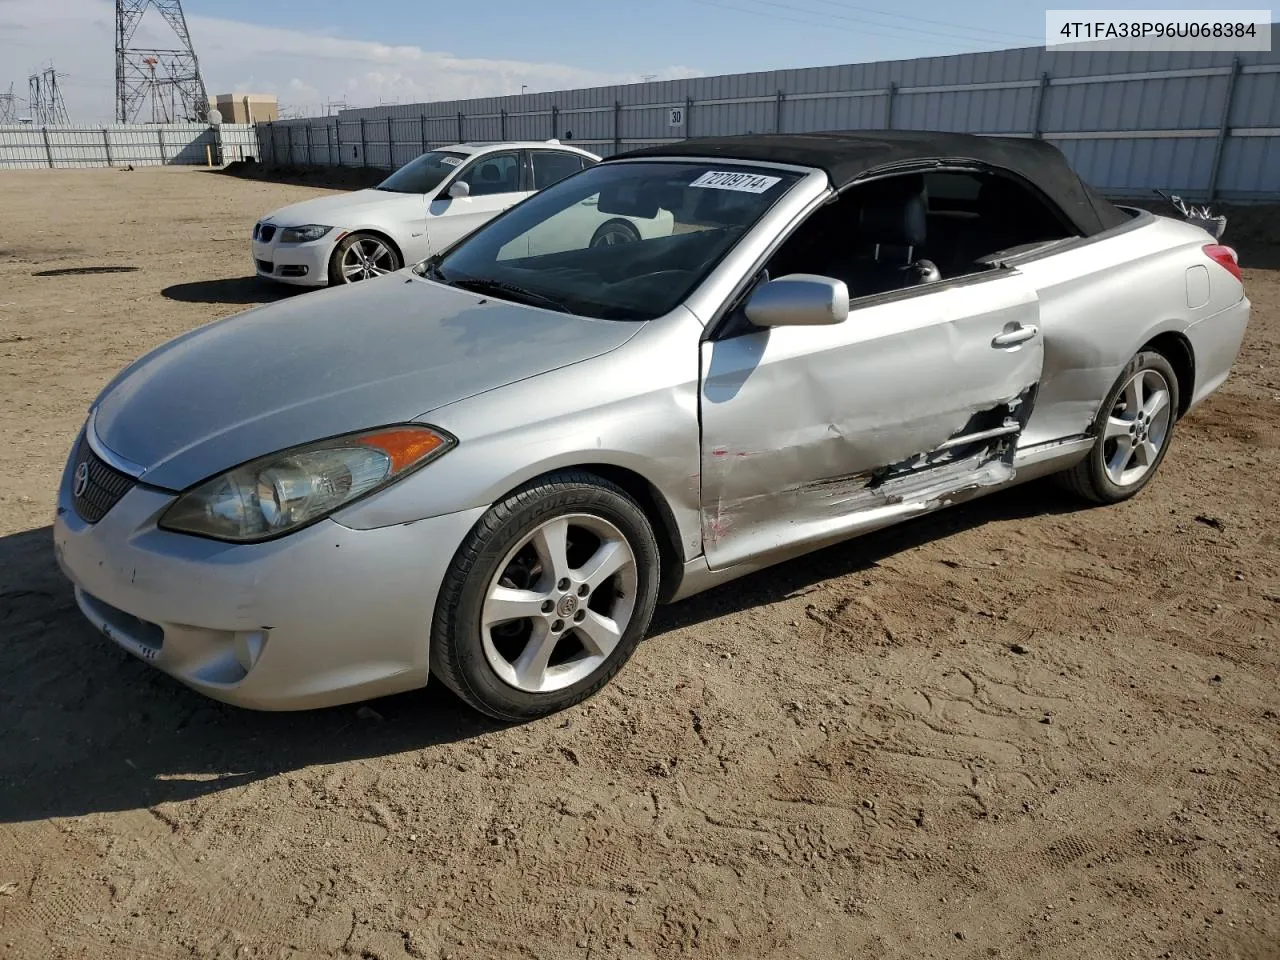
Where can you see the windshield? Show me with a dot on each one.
(423, 174)
(619, 241)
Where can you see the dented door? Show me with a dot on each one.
(811, 434)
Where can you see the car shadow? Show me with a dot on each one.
(233, 290)
(779, 582)
(88, 728)
(324, 177)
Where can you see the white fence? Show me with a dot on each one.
(27, 146)
(1200, 124)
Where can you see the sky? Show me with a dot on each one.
(367, 52)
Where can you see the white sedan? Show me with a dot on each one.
(420, 210)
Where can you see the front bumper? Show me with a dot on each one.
(324, 616)
(300, 264)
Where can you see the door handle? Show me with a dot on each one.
(1019, 334)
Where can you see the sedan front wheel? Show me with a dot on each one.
(362, 256)
(613, 232)
(547, 597)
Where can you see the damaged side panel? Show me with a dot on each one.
(1100, 302)
(816, 433)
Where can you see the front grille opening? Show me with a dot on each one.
(125, 626)
(95, 486)
(266, 232)
(266, 266)
(294, 270)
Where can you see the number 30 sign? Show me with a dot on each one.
(676, 118)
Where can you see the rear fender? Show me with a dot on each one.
(1102, 300)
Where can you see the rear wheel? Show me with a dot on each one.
(1134, 428)
(362, 256)
(546, 598)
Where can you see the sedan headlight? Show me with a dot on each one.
(283, 492)
(305, 234)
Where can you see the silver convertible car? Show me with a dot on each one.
(487, 468)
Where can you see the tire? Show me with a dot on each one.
(614, 231)
(1097, 477)
(571, 636)
(379, 254)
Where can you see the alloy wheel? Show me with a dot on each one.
(613, 233)
(1137, 428)
(559, 604)
(368, 257)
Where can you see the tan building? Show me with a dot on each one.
(246, 107)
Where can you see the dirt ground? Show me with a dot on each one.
(1017, 729)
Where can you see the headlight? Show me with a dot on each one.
(312, 231)
(286, 491)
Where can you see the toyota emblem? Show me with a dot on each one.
(82, 479)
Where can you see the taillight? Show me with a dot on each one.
(1224, 257)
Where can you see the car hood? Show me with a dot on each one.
(339, 210)
(321, 364)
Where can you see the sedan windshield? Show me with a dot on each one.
(619, 241)
(423, 174)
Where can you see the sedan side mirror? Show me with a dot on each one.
(459, 189)
(799, 300)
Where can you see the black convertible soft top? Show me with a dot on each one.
(850, 155)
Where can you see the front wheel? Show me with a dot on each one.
(546, 598)
(1134, 428)
(613, 232)
(362, 256)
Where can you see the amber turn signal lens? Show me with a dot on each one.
(404, 445)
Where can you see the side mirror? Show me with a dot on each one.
(799, 300)
(459, 189)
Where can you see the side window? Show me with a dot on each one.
(550, 166)
(494, 173)
(911, 230)
(973, 215)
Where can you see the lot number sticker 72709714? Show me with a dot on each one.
(741, 182)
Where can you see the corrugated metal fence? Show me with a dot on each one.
(1201, 124)
(24, 145)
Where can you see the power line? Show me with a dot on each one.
(72, 80)
(833, 26)
(910, 32)
(917, 19)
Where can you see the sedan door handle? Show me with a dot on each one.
(1019, 334)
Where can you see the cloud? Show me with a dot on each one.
(298, 90)
(302, 69)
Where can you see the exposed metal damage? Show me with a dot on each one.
(820, 432)
(978, 454)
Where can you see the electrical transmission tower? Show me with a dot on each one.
(8, 106)
(45, 99)
(157, 85)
